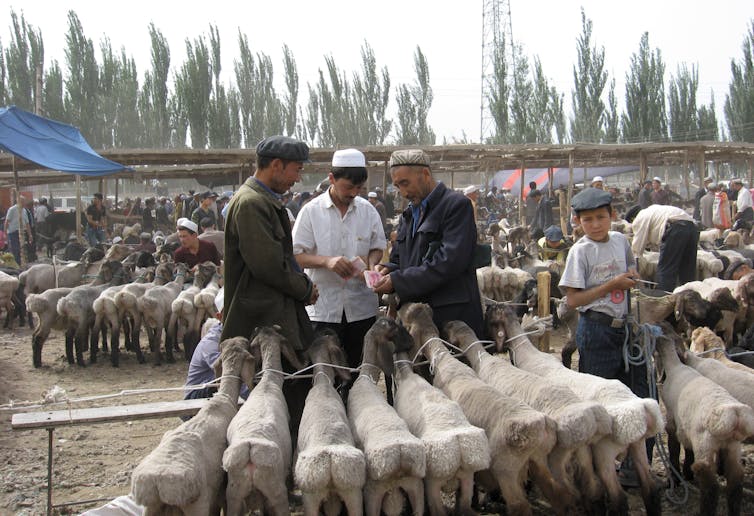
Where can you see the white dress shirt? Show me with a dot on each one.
(321, 230)
(743, 199)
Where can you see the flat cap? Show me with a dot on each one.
(735, 264)
(553, 234)
(283, 147)
(591, 198)
(736, 181)
(409, 158)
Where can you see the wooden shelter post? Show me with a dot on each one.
(115, 206)
(700, 165)
(643, 169)
(78, 207)
(686, 174)
(751, 172)
(522, 198)
(20, 210)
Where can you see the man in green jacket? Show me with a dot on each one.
(264, 285)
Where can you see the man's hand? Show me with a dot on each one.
(384, 286)
(341, 266)
(314, 296)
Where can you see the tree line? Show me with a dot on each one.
(98, 90)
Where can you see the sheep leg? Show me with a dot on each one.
(561, 499)
(103, 331)
(567, 352)
(414, 489)
(169, 342)
(688, 463)
(650, 487)
(373, 495)
(674, 449)
(512, 491)
(433, 491)
(276, 496)
(39, 337)
(70, 335)
(312, 502)
(353, 499)
(734, 475)
(604, 461)
(557, 461)
(80, 340)
(589, 484)
(93, 344)
(704, 471)
(465, 492)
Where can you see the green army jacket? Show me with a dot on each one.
(263, 286)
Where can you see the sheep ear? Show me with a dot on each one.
(217, 366)
(337, 356)
(291, 356)
(385, 356)
(249, 370)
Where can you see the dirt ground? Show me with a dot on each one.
(96, 461)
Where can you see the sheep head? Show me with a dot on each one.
(383, 339)
(417, 319)
(459, 334)
(267, 341)
(703, 339)
(203, 273)
(325, 349)
(235, 357)
(499, 324)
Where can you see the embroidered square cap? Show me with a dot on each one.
(410, 158)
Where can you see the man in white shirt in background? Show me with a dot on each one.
(744, 215)
(673, 231)
(336, 236)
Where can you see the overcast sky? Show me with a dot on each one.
(705, 34)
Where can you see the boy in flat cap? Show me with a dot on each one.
(598, 272)
(203, 211)
(432, 258)
(264, 285)
(331, 232)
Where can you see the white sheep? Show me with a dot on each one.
(184, 472)
(634, 419)
(579, 422)
(329, 468)
(395, 458)
(520, 438)
(454, 449)
(126, 301)
(204, 302)
(740, 384)
(183, 311)
(707, 264)
(710, 235)
(258, 457)
(704, 418)
(703, 340)
(8, 287)
(154, 307)
(501, 284)
(106, 316)
(45, 305)
(77, 309)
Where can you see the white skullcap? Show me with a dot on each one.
(598, 179)
(656, 178)
(372, 195)
(220, 300)
(117, 240)
(184, 223)
(349, 158)
(470, 189)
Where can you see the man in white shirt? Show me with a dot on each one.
(336, 236)
(744, 214)
(12, 226)
(674, 232)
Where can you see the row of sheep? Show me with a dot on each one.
(493, 424)
(122, 298)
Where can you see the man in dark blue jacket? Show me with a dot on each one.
(432, 258)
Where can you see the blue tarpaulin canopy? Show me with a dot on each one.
(51, 144)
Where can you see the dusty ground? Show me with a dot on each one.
(96, 461)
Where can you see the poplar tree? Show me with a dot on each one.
(25, 51)
(739, 102)
(644, 119)
(589, 78)
(193, 85)
(82, 85)
(414, 102)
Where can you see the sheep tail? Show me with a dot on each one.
(252, 451)
(147, 305)
(731, 421)
(396, 459)
(36, 303)
(64, 307)
(164, 484)
(467, 449)
(336, 466)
